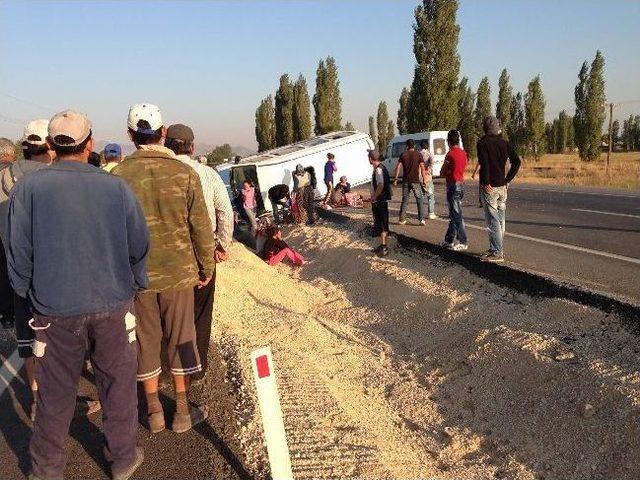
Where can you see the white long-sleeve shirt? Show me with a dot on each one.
(216, 199)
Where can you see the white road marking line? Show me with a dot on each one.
(605, 213)
(9, 370)
(514, 187)
(550, 242)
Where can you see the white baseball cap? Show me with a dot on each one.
(144, 118)
(69, 128)
(36, 131)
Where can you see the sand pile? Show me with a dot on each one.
(409, 367)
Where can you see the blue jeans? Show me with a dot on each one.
(495, 206)
(456, 229)
(416, 188)
(430, 198)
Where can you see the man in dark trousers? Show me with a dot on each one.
(380, 196)
(493, 152)
(279, 196)
(413, 174)
(453, 169)
(77, 249)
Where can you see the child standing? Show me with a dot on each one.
(453, 169)
(248, 194)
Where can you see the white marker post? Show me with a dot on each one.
(272, 423)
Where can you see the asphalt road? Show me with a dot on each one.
(580, 235)
(207, 451)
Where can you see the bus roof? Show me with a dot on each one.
(303, 148)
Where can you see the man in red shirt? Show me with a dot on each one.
(453, 169)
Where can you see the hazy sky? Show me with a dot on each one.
(209, 63)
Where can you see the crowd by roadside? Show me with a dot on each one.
(417, 179)
(106, 264)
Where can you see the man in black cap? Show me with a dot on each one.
(493, 152)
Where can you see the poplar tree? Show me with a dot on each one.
(403, 111)
(518, 125)
(349, 126)
(433, 103)
(284, 112)
(327, 103)
(265, 125)
(301, 110)
(580, 117)
(483, 105)
(615, 132)
(372, 130)
(503, 107)
(534, 114)
(595, 110)
(385, 134)
(466, 123)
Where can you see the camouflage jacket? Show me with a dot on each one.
(170, 194)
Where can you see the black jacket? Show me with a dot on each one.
(493, 152)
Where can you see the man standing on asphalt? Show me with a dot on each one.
(453, 169)
(329, 169)
(183, 252)
(427, 180)
(380, 196)
(77, 247)
(7, 157)
(180, 140)
(112, 155)
(413, 172)
(493, 152)
(40, 156)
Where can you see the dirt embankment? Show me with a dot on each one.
(410, 367)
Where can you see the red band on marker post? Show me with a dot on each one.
(262, 364)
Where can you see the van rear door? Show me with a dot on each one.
(439, 150)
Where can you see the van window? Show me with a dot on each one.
(439, 146)
(397, 149)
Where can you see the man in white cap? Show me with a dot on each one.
(182, 257)
(77, 244)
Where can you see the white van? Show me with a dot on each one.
(274, 167)
(437, 146)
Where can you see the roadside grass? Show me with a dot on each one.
(568, 169)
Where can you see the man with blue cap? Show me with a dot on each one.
(112, 155)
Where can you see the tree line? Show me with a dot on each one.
(285, 117)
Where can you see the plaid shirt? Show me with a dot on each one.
(216, 199)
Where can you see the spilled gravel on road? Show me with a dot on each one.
(411, 367)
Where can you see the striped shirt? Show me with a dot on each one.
(217, 200)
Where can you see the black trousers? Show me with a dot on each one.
(203, 311)
(60, 348)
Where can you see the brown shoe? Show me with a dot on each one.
(183, 422)
(156, 422)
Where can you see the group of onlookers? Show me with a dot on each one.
(108, 266)
(417, 178)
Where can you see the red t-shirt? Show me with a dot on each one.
(457, 159)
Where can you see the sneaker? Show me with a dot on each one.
(447, 245)
(423, 222)
(402, 222)
(183, 422)
(460, 247)
(156, 422)
(126, 474)
(383, 251)
(432, 216)
(493, 257)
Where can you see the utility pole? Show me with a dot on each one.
(610, 139)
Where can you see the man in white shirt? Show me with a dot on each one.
(180, 140)
(427, 182)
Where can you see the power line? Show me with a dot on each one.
(28, 102)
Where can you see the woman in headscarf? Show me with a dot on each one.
(304, 195)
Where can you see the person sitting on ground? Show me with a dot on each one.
(112, 155)
(249, 204)
(338, 195)
(280, 197)
(275, 249)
